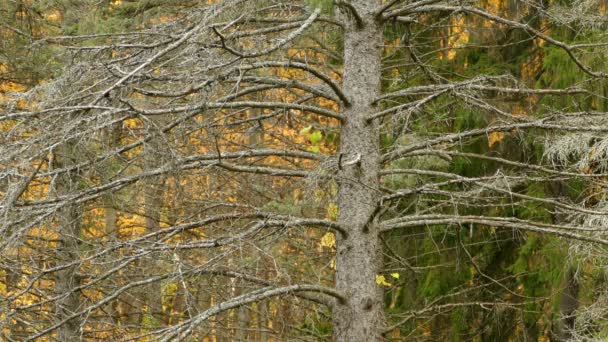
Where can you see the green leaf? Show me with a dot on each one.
(316, 137)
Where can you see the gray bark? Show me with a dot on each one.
(111, 216)
(67, 251)
(153, 193)
(243, 320)
(146, 301)
(263, 320)
(568, 305)
(359, 257)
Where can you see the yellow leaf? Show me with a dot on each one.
(495, 137)
(395, 275)
(328, 240)
(381, 280)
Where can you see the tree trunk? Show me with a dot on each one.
(263, 320)
(17, 330)
(67, 250)
(568, 305)
(243, 320)
(153, 192)
(359, 256)
(112, 136)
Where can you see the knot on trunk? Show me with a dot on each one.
(368, 304)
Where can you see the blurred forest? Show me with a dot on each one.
(315, 170)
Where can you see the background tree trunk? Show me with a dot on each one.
(568, 305)
(68, 245)
(153, 200)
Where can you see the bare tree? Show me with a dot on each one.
(238, 121)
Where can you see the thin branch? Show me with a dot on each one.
(503, 222)
(185, 328)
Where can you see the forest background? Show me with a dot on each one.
(269, 170)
